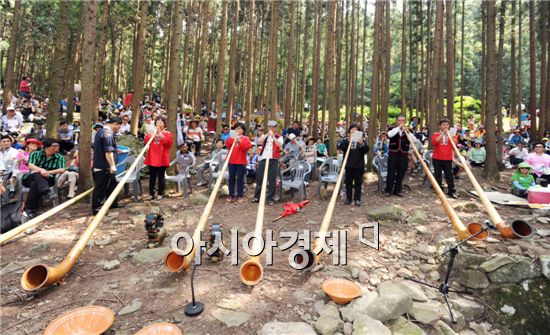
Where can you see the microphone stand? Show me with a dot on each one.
(444, 287)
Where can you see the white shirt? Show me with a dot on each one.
(519, 154)
(124, 128)
(268, 151)
(7, 155)
(394, 132)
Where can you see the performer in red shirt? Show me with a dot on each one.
(158, 157)
(442, 157)
(237, 162)
(25, 87)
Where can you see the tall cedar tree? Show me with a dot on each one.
(174, 66)
(220, 78)
(10, 80)
(138, 77)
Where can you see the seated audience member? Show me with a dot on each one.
(252, 164)
(381, 147)
(518, 153)
(321, 148)
(7, 152)
(225, 134)
(125, 126)
(310, 156)
(65, 137)
(44, 165)
(206, 163)
(522, 179)
(184, 156)
(477, 154)
(539, 162)
(515, 138)
(12, 121)
(293, 150)
(70, 176)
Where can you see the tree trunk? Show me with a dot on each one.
(59, 64)
(513, 71)
(220, 77)
(483, 69)
(436, 68)
(403, 59)
(329, 59)
(307, 21)
(543, 115)
(363, 68)
(375, 82)
(250, 75)
(89, 103)
(450, 60)
(500, 85)
(74, 57)
(490, 170)
(175, 59)
(272, 85)
(532, 71)
(10, 65)
(387, 69)
(112, 88)
(185, 56)
(313, 109)
(197, 50)
(101, 46)
(138, 77)
(199, 94)
(519, 60)
(232, 60)
(462, 63)
(290, 67)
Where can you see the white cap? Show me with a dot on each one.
(10, 108)
(271, 123)
(291, 137)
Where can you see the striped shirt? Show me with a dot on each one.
(39, 158)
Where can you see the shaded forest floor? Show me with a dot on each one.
(284, 294)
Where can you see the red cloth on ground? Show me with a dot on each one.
(159, 150)
(238, 156)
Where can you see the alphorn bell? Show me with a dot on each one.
(314, 256)
(41, 275)
(462, 231)
(251, 271)
(518, 229)
(174, 261)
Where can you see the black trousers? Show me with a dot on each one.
(65, 146)
(154, 173)
(354, 180)
(38, 186)
(271, 178)
(397, 167)
(104, 184)
(446, 167)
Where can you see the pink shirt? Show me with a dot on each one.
(23, 158)
(538, 162)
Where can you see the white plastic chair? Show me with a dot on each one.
(294, 178)
(328, 173)
(183, 178)
(133, 178)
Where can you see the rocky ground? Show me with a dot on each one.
(508, 278)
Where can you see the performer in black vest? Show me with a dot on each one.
(398, 159)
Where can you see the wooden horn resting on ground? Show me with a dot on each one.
(41, 275)
(462, 231)
(174, 261)
(251, 271)
(39, 219)
(518, 229)
(314, 255)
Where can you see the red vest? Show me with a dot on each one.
(276, 149)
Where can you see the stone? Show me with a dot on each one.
(330, 310)
(11, 267)
(543, 232)
(124, 255)
(413, 291)
(303, 297)
(425, 249)
(470, 309)
(230, 318)
(508, 310)
(459, 319)
(198, 199)
(104, 242)
(287, 328)
(391, 303)
(470, 208)
(328, 325)
(386, 213)
(178, 317)
(138, 220)
(365, 325)
(472, 279)
(40, 248)
(467, 260)
(423, 230)
(111, 265)
(514, 249)
(403, 326)
(154, 255)
(496, 262)
(442, 328)
(348, 328)
(545, 265)
(479, 328)
(514, 273)
(133, 307)
(418, 217)
(228, 303)
(426, 312)
(357, 306)
(355, 272)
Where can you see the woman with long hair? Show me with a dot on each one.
(158, 157)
